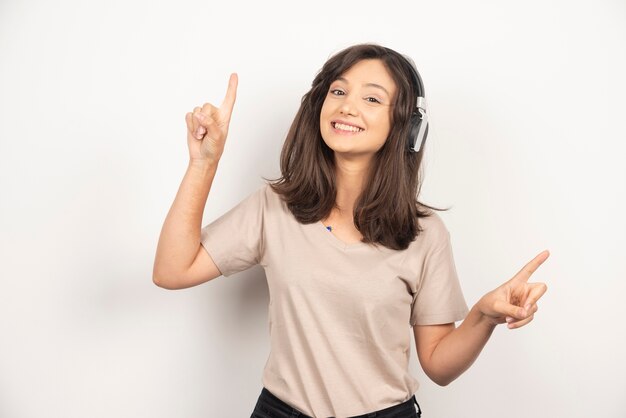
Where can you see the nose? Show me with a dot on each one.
(348, 107)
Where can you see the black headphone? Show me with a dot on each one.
(419, 120)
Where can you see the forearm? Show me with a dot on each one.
(180, 235)
(458, 350)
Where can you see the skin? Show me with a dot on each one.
(444, 351)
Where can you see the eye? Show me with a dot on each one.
(336, 92)
(372, 100)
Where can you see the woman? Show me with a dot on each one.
(351, 257)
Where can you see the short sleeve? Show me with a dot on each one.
(235, 240)
(439, 298)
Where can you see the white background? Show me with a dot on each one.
(526, 146)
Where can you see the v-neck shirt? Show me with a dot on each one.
(339, 313)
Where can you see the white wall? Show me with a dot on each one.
(527, 145)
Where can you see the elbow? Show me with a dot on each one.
(157, 280)
(172, 280)
(441, 379)
(160, 281)
(442, 382)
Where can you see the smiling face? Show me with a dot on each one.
(355, 119)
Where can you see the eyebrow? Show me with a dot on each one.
(378, 86)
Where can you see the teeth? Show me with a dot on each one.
(348, 128)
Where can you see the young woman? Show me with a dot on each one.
(352, 258)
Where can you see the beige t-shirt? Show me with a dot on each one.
(339, 314)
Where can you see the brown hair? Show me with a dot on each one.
(387, 210)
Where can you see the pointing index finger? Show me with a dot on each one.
(231, 95)
(526, 271)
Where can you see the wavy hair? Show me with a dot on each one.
(387, 210)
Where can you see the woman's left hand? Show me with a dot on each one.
(515, 302)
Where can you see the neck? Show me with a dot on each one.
(350, 177)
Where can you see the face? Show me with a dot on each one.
(356, 115)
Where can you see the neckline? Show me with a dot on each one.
(334, 240)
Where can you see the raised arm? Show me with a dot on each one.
(180, 260)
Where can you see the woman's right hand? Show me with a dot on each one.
(207, 126)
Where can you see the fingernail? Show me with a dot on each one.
(527, 307)
(509, 319)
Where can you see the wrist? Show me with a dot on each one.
(203, 164)
(481, 319)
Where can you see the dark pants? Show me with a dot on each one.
(269, 406)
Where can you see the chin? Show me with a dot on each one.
(337, 145)
(346, 147)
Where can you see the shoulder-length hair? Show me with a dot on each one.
(387, 210)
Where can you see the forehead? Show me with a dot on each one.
(370, 71)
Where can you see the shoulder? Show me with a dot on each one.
(266, 197)
(262, 192)
(256, 200)
(433, 224)
(267, 193)
(434, 232)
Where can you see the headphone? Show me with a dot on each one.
(419, 119)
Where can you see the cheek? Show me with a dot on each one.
(324, 117)
(382, 123)
(388, 127)
(324, 110)
(322, 122)
(387, 123)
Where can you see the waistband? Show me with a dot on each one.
(404, 407)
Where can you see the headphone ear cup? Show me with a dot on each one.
(415, 143)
